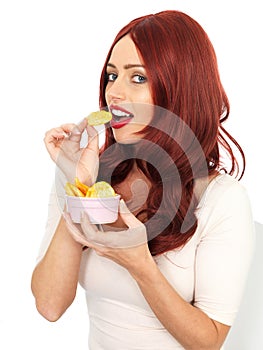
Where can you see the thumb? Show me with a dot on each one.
(129, 219)
(93, 138)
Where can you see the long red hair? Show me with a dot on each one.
(182, 71)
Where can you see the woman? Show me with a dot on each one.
(170, 272)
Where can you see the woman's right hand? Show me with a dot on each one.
(63, 146)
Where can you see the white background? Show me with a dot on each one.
(52, 52)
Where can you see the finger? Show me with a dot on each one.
(112, 239)
(82, 124)
(74, 131)
(55, 133)
(97, 237)
(52, 140)
(129, 219)
(59, 133)
(87, 227)
(77, 130)
(68, 127)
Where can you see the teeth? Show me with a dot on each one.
(119, 113)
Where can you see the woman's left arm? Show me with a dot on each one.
(222, 262)
(190, 326)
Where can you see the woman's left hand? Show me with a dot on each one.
(127, 248)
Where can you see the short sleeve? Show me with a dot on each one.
(55, 207)
(225, 251)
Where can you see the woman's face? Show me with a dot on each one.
(127, 92)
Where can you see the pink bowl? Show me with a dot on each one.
(99, 210)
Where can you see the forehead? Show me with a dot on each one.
(125, 52)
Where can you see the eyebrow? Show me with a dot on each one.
(127, 66)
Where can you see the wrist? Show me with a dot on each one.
(144, 270)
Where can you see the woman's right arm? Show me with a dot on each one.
(55, 278)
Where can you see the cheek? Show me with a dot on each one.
(106, 96)
(144, 112)
(145, 97)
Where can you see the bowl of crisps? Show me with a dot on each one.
(99, 201)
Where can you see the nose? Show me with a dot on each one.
(115, 91)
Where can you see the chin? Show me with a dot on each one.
(126, 139)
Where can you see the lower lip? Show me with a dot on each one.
(120, 124)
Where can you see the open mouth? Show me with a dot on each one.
(120, 117)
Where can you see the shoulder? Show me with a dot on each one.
(224, 188)
(224, 200)
(224, 208)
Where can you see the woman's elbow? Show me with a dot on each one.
(52, 309)
(52, 305)
(50, 312)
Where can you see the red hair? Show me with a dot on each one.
(182, 71)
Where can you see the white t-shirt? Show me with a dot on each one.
(209, 271)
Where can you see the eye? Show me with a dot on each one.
(139, 79)
(111, 76)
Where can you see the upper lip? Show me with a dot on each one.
(118, 111)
